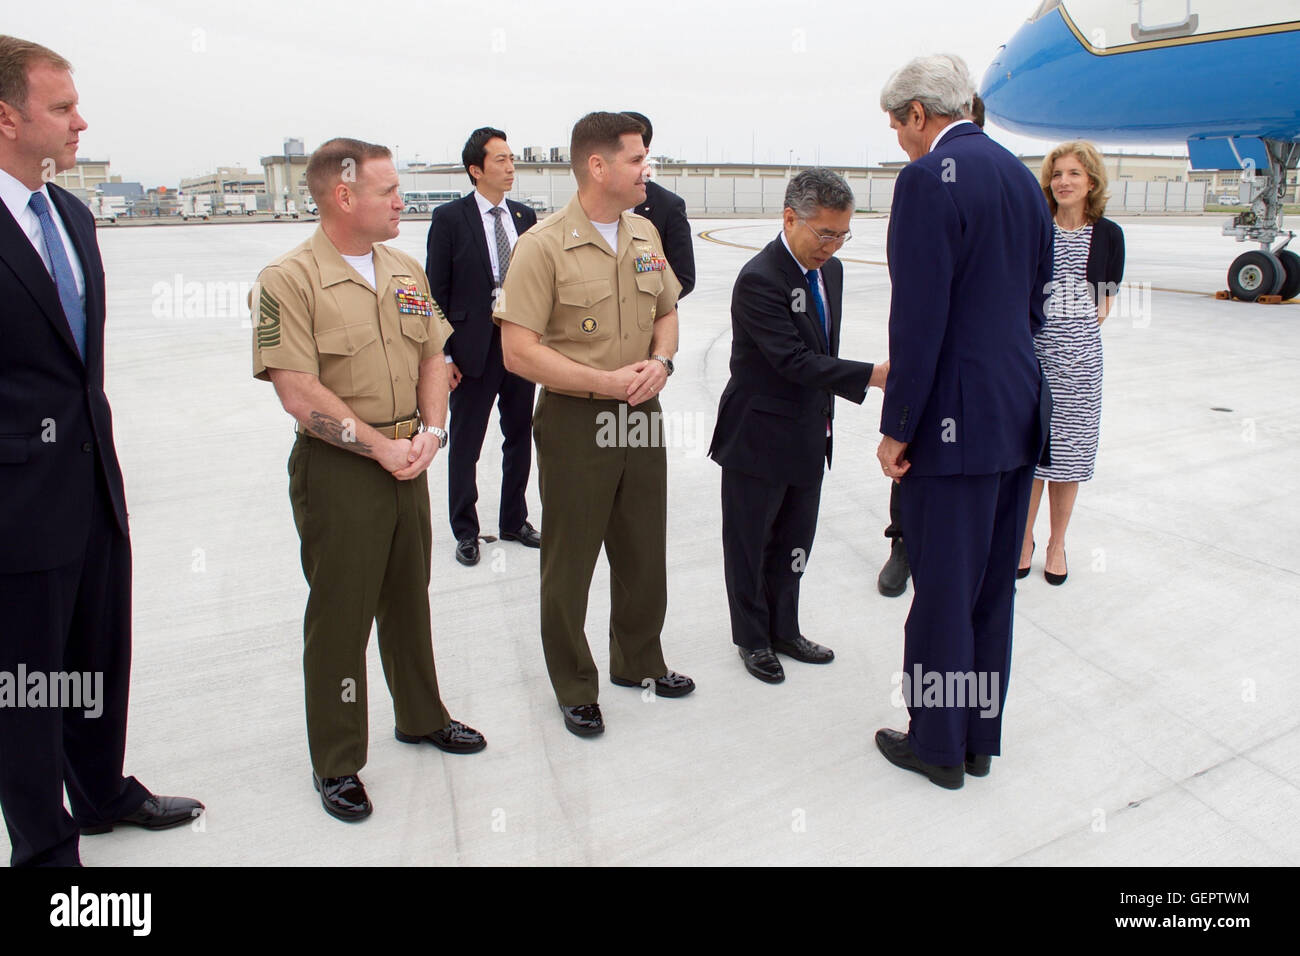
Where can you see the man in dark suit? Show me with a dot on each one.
(470, 241)
(966, 411)
(667, 211)
(773, 434)
(65, 565)
(892, 580)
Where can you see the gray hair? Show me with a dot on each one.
(941, 84)
(818, 187)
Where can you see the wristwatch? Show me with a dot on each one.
(437, 433)
(667, 362)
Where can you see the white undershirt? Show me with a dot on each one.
(609, 230)
(18, 198)
(365, 265)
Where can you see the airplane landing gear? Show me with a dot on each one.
(1265, 271)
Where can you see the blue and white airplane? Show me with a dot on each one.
(1223, 75)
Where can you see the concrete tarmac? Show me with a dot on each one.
(1152, 712)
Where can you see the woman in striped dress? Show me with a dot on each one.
(1087, 269)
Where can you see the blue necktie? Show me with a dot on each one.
(73, 310)
(821, 306)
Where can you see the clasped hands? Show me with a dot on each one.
(407, 458)
(638, 382)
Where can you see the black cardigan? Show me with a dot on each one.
(1105, 254)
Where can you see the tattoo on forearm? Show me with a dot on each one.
(341, 433)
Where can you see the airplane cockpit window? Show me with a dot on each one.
(1044, 8)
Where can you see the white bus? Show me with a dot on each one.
(424, 200)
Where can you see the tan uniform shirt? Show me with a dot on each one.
(314, 313)
(591, 306)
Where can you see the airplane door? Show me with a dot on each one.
(1164, 19)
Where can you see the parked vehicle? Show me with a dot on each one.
(195, 206)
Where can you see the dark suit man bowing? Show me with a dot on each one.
(470, 241)
(966, 410)
(773, 435)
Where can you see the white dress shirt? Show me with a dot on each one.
(944, 131)
(826, 302)
(18, 198)
(821, 282)
(490, 228)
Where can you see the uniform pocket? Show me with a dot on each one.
(345, 340)
(649, 286)
(582, 307)
(416, 332)
(343, 367)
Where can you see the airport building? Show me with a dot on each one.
(225, 180)
(82, 179)
(1139, 183)
(284, 177)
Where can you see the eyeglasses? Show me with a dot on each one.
(835, 239)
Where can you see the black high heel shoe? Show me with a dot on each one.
(1057, 579)
(1024, 572)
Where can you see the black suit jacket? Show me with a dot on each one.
(667, 211)
(459, 267)
(773, 414)
(56, 429)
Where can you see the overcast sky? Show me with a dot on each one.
(174, 88)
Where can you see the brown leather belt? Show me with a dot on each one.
(405, 428)
(587, 395)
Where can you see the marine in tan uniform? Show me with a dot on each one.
(347, 332)
(592, 317)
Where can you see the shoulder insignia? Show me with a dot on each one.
(268, 322)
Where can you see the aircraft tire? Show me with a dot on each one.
(1291, 284)
(1253, 274)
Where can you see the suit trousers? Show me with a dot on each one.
(366, 544)
(595, 491)
(895, 527)
(963, 535)
(74, 619)
(767, 537)
(471, 404)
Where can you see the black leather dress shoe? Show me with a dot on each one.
(583, 720)
(802, 649)
(467, 551)
(763, 664)
(978, 765)
(156, 813)
(343, 798)
(893, 576)
(671, 684)
(455, 738)
(527, 536)
(898, 751)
